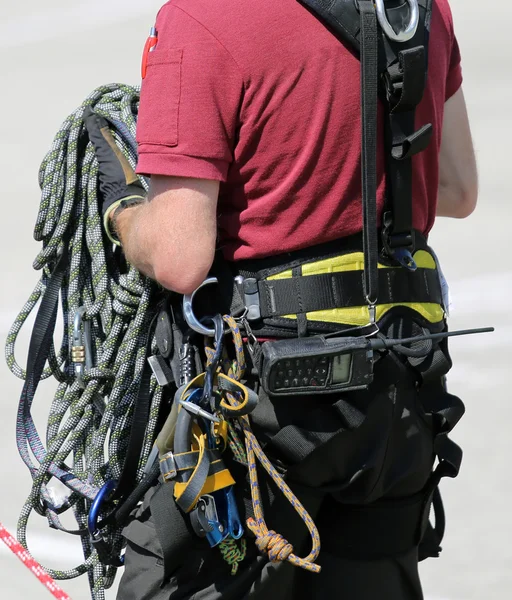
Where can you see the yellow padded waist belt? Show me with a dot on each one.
(359, 315)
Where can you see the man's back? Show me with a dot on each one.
(266, 98)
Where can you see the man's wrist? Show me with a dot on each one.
(112, 214)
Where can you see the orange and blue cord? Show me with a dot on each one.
(277, 548)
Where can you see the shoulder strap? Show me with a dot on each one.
(403, 82)
(400, 77)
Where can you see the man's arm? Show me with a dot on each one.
(458, 179)
(171, 238)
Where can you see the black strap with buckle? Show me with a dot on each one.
(401, 75)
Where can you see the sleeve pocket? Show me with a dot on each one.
(160, 99)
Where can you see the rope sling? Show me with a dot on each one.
(90, 417)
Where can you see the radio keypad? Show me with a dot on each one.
(301, 372)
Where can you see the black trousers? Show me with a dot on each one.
(362, 449)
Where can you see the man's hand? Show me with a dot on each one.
(458, 179)
(171, 237)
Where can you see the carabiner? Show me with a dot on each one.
(188, 311)
(94, 513)
(97, 540)
(211, 369)
(405, 34)
(81, 350)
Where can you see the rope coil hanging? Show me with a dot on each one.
(116, 305)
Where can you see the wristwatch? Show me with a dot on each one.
(113, 211)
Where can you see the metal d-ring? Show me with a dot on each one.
(406, 34)
(188, 310)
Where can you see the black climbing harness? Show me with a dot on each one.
(311, 323)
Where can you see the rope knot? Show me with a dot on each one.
(272, 543)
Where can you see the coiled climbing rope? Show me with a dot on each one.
(90, 418)
(88, 428)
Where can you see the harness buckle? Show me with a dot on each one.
(168, 467)
(398, 246)
(251, 299)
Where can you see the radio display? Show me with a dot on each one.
(341, 367)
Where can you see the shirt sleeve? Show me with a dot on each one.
(189, 104)
(454, 78)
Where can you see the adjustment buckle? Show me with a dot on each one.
(168, 468)
(398, 246)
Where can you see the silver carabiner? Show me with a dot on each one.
(81, 350)
(188, 311)
(405, 34)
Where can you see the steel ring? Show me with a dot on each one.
(406, 34)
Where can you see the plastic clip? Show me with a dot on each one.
(252, 299)
(405, 258)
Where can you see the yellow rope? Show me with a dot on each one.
(267, 540)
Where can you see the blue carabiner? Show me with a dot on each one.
(97, 540)
(94, 513)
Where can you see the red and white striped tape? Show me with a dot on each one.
(30, 563)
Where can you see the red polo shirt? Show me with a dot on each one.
(261, 96)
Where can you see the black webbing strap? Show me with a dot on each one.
(195, 483)
(449, 455)
(369, 81)
(128, 477)
(298, 295)
(404, 83)
(123, 511)
(39, 350)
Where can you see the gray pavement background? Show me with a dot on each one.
(53, 54)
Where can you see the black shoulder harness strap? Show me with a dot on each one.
(396, 69)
